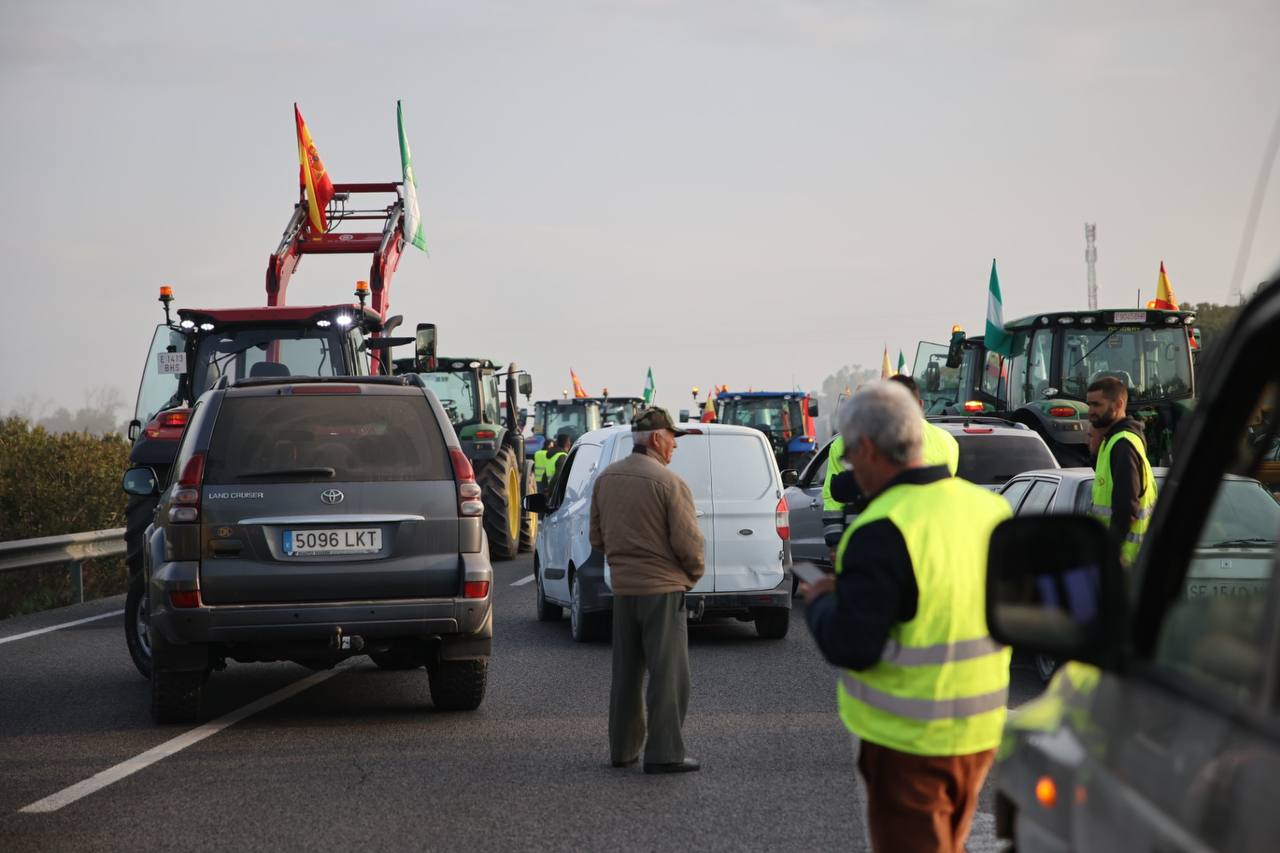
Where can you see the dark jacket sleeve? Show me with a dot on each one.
(1126, 479)
(875, 590)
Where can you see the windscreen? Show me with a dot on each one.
(939, 385)
(269, 352)
(291, 438)
(992, 459)
(774, 415)
(567, 420)
(457, 393)
(1154, 363)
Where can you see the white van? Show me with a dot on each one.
(738, 492)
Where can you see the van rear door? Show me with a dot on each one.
(328, 497)
(692, 461)
(745, 493)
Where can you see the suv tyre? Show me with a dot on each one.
(458, 685)
(772, 623)
(137, 627)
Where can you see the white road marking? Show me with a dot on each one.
(129, 766)
(524, 580)
(40, 631)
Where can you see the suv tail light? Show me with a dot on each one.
(782, 520)
(185, 503)
(469, 503)
(168, 426)
(184, 598)
(475, 589)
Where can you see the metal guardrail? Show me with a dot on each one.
(71, 548)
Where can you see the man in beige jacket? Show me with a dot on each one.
(644, 521)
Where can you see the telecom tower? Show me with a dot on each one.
(1091, 261)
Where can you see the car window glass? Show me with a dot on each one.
(1039, 498)
(740, 467)
(1219, 628)
(995, 374)
(816, 473)
(371, 438)
(187, 443)
(159, 388)
(580, 474)
(692, 462)
(993, 458)
(1014, 491)
(563, 471)
(1084, 497)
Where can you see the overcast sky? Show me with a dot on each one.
(730, 192)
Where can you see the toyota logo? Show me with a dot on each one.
(332, 496)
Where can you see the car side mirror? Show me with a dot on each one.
(535, 504)
(141, 482)
(684, 414)
(1055, 587)
(135, 429)
(813, 408)
(524, 384)
(790, 477)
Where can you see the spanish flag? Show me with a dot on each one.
(578, 390)
(312, 177)
(709, 409)
(1165, 300)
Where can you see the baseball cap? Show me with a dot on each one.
(655, 418)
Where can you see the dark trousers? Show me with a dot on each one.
(649, 632)
(921, 802)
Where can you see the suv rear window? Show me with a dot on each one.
(994, 458)
(365, 438)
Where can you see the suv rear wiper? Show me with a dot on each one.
(289, 472)
(1241, 543)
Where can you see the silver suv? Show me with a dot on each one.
(313, 519)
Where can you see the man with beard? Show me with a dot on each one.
(1124, 490)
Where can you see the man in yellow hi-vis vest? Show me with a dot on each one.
(540, 461)
(923, 687)
(1124, 489)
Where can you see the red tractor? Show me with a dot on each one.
(191, 352)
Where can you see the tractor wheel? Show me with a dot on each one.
(528, 520)
(138, 513)
(499, 481)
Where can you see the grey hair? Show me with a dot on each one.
(641, 437)
(888, 415)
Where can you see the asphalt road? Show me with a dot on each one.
(360, 759)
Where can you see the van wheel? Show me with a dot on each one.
(547, 612)
(1046, 667)
(395, 659)
(458, 685)
(772, 622)
(583, 627)
(137, 624)
(499, 481)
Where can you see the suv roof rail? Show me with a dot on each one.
(974, 419)
(259, 381)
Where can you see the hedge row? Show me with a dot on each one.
(55, 483)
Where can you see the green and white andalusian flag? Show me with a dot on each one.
(412, 216)
(997, 339)
(649, 388)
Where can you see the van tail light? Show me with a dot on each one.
(782, 520)
(973, 406)
(168, 426)
(184, 505)
(469, 503)
(1061, 412)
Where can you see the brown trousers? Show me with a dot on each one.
(919, 803)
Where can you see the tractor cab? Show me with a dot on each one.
(616, 411)
(573, 417)
(785, 418)
(1058, 355)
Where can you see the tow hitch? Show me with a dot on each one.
(346, 643)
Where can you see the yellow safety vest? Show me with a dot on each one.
(1104, 484)
(835, 464)
(553, 462)
(939, 447)
(942, 683)
(539, 465)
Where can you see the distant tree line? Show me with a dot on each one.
(102, 412)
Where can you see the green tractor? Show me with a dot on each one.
(1057, 356)
(488, 427)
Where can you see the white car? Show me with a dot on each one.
(737, 489)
